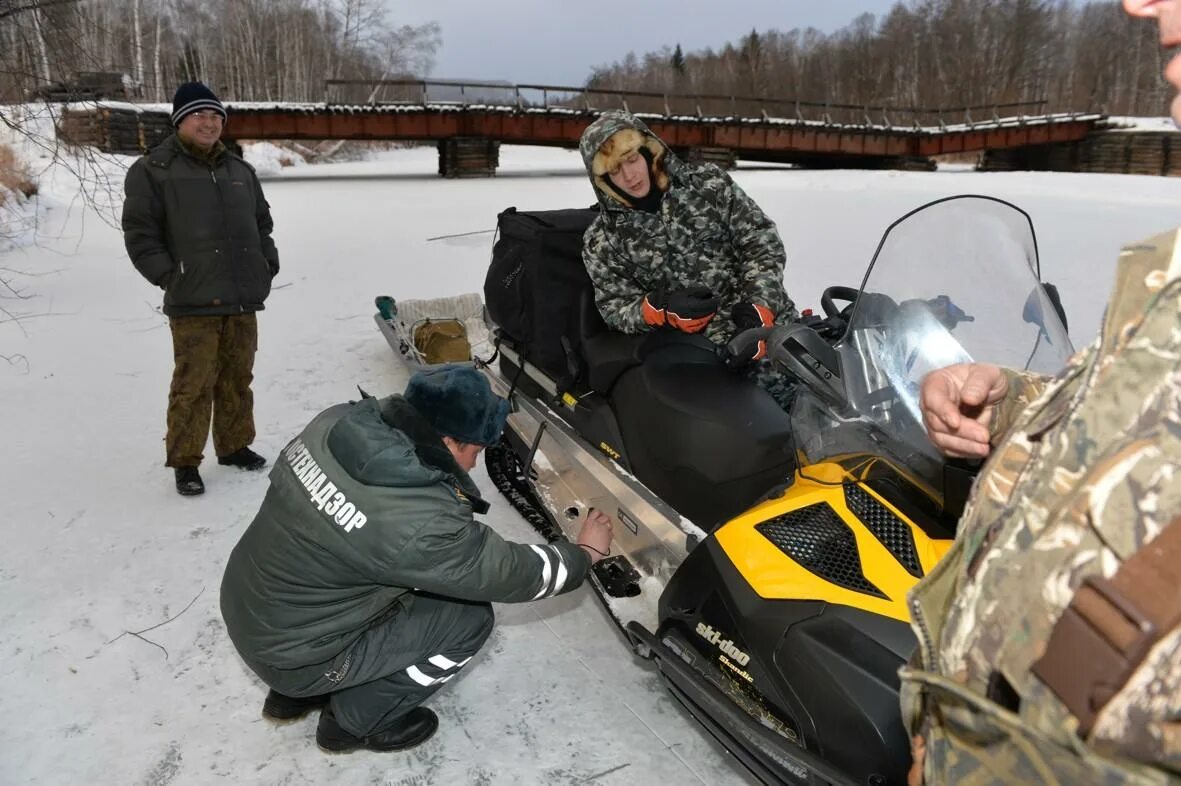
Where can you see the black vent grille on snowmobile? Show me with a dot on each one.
(817, 538)
(891, 531)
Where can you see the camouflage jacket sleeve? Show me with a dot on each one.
(144, 225)
(1024, 387)
(760, 253)
(618, 296)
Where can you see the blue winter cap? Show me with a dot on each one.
(458, 401)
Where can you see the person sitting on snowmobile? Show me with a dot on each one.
(675, 243)
(364, 582)
(1049, 635)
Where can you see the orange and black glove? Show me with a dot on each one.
(688, 310)
(746, 315)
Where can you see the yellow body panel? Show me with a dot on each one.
(774, 575)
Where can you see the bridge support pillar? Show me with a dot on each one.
(468, 157)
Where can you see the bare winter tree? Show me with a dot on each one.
(245, 49)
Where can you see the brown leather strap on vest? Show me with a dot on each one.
(1110, 626)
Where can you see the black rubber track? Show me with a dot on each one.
(505, 470)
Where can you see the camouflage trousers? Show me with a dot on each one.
(214, 366)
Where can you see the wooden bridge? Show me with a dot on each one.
(468, 120)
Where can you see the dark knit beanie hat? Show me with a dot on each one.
(458, 401)
(193, 97)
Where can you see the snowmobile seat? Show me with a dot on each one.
(706, 440)
(605, 353)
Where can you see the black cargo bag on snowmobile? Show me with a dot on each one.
(536, 282)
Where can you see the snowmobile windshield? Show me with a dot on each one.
(954, 281)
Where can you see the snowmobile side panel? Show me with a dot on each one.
(770, 757)
(839, 542)
(824, 677)
(588, 413)
(569, 477)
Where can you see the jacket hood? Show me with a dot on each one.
(388, 443)
(599, 158)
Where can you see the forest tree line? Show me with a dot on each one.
(923, 53)
(930, 54)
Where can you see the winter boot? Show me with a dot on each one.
(279, 707)
(413, 728)
(188, 482)
(243, 458)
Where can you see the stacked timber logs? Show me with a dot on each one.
(1115, 152)
(468, 157)
(722, 157)
(114, 129)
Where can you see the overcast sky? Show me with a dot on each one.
(558, 42)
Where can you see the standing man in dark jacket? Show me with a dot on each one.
(196, 224)
(364, 583)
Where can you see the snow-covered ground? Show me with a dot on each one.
(96, 543)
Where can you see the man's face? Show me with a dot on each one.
(632, 175)
(1168, 16)
(465, 454)
(200, 129)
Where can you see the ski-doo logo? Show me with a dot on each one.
(725, 645)
(323, 492)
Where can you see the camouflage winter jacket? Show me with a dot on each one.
(366, 505)
(707, 232)
(1087, 471)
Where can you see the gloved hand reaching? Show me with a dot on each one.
(746, 315)
(688, 310)
(747, 347)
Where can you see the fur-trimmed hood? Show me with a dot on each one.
(613, 136)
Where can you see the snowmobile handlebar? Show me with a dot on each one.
(941, 306)
(739, 351)
(832, 294)
(798, 351)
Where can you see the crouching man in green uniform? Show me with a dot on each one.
(364, 583)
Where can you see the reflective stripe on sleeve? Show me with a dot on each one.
(546, 570)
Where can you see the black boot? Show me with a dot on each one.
(244, 458)
(279, 707)
(188, 482)
(413, 728)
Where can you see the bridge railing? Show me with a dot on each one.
(588, 99)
